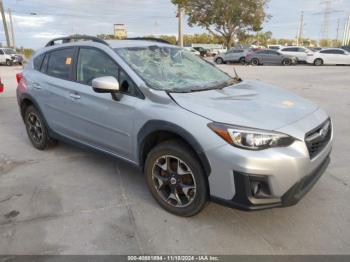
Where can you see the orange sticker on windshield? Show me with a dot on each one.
(68, 60)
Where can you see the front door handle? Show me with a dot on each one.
(75, 96)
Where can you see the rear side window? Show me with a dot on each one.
(44, 64)
(291, 49)
(333, 51)
(61, 63)
(338, 52)
(265, 52)
(1, 52)
(38, 61)
(93, 63)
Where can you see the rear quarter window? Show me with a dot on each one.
(60, 63)
(38, 61)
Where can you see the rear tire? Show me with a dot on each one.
(286, 62)
(176, 178)
(36, 129)
(219, 61)
(318, 62)
(255, 62)
(242, 60)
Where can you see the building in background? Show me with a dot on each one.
(120, 31)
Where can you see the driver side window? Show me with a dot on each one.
(93, 63)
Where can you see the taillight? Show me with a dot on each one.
(19, 77)
(1, 86)
(22, 84)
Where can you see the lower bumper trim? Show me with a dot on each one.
(244, 201)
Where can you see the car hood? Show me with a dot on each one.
(249, 104)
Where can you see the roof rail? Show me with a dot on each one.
(76, 38)
(153, 39)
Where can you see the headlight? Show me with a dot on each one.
(250, 139)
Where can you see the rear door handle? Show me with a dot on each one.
(75, 96)
(36, 86)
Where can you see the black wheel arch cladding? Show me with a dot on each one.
(153, 126)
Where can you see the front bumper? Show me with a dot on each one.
(243, 198)
(288, 173)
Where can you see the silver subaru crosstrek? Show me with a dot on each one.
(196, 132)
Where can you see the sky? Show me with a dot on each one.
(37, 21)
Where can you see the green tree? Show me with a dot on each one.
(225, 18)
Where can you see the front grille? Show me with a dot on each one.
(317, 139)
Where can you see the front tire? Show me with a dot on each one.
(219, 61)
(255, 62)
(242, 60)
(36, 129)
(286, 62)
(318, 62)
(8, 62)
(176, 179)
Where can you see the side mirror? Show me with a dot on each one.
(105, 84)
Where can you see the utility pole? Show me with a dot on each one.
(4, 23)
(180, 16)
(326, 18)
(300, 33)
(12, 31)
(346, 38)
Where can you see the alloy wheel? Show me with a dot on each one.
(174, 181)
(35, 128)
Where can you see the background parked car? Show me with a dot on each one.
(192, 50)
(9, 57)
(232, 55)
(269, 56)
(274, 47)
(329, 56)
(202, 51)
(297, 51)
(346, 48)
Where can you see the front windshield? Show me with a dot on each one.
(173, 69)
(10, 51)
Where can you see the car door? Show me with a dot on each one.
(229, 56)
(263, 56)
(346, 58)
(51, 88)
(274, 57)
(100, 120)
(340, 57)
(302, 54)
(237, 54)
(328, 57)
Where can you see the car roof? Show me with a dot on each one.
(113, 44)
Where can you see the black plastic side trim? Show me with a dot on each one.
(160, 125)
